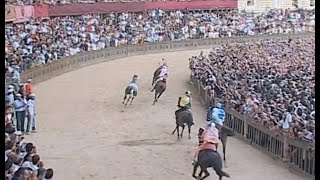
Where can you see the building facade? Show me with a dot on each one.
(263, 5)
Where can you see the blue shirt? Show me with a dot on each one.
(10, 98)
(19, 105)
(218, 115)
(16, 74)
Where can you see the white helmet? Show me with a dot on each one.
(188, 93)
(211, 124)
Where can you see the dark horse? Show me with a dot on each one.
(159, 90)
(132, 94)
(208, 158)
(182, 118)
(156, 75)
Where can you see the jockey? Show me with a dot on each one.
(184, 103)
(134, 84)
(134, 79)
(164, 78)
(162, 62)
(163, 71)
(210, 137)
(217, 116)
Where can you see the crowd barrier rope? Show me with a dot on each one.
(297, 153)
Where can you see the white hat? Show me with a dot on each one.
(29, 80)
(10, 90)
(18, 95)
(10, 87)
(18, 133)
(32, 95)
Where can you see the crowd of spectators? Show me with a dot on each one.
(22, 162)
(40, 42)
(66, 2)
(272, 82)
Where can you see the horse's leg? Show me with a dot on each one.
(155, 98)
(183, 126)
(174, 129)
(189, 132)
(200, 174)
(195, 166)
(128, 100)
(224, 146)
(124, 98)
(178, 132)
(160, 94)
(206, 174)
(221, 173)
(131, 100)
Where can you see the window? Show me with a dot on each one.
(250, 2)
(295, 3)
(312, 3)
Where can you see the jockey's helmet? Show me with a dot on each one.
(135, 76)
(218, 105)
(188, 93)
(211, 124)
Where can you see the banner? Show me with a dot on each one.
(23, 13)
(10, 13)
(96, 8)
(41, 11)
(192, 5)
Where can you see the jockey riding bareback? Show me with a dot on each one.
(184, 102)
(134, 84)
(217, 115)
(163, 75)
(210, 138)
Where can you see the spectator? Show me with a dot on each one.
(31, 112)
(28, 87)
(20, 107)
(49, 174)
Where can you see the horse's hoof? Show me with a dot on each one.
(195, 176)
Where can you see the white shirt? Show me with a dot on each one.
(31, 106)
(287, 120)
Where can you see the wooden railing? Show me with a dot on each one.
(301, 154)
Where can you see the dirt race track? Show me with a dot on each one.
(83, 135)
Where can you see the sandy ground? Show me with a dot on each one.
(83, 135)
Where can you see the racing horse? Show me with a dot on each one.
(132, 92)
(182, 118)
(208, 158)
(156, 75)
(160, 87)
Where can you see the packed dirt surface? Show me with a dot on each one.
(82, 133)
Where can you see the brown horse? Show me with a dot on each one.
(156, 75)
(160, 88)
